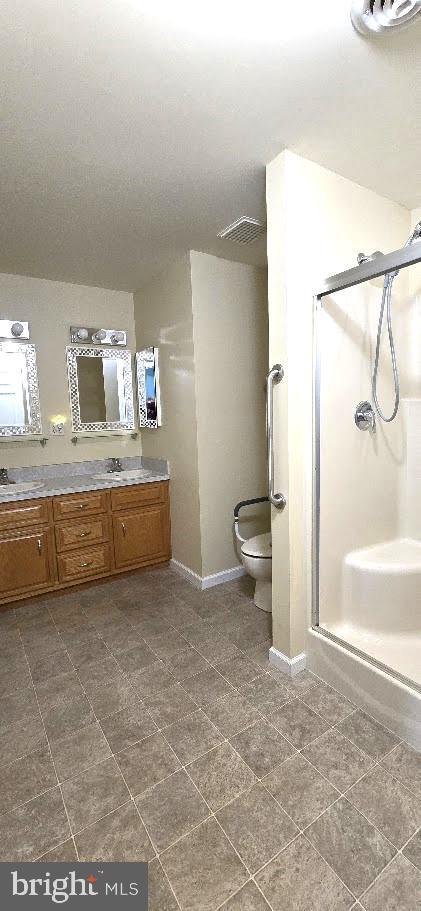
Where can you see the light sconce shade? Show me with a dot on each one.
(99, 335)
(117, 337)
(57, 423)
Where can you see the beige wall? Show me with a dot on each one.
(209, 318)
(317, 224)
(163, 317)
(231, 353)
(51, 308)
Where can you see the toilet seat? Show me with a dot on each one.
(260, 547)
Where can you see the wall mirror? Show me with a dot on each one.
(20, 413)
(101, 389)
(148, 391)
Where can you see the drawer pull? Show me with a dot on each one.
(88, 563)
(123, 529)
(84, 534)
(80, 505)
(39, 545)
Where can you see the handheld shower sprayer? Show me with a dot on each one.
(386, 305)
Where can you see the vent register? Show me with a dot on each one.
(244, 230)
(377, 17)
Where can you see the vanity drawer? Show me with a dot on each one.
(93, 561)
(83, 504)
(72, 536)
(139, 495)
(24, 513)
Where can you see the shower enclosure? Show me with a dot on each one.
(367, 478)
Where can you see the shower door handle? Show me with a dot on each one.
(274, 376)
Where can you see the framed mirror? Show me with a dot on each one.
(20, 413)
(148, 391)
(101, 389)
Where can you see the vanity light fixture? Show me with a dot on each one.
(91, 336)
(10, 328)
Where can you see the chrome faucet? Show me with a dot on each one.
(115, 466)
(4, 477)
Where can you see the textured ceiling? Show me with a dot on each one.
(131, 131)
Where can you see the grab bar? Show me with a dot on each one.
(274, 376)
(241, 505)
(244, 503)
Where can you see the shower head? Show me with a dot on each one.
(416, 235)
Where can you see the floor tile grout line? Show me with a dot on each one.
(94, 822)
(389, 863)
(365, 712)
(20, 806)
(168, 881)
(49, 748)
(60, 845)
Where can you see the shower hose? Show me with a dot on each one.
(386, 305)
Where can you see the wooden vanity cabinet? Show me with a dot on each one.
(51, 543)
(141, 536)
(141, 525)
(27, 560)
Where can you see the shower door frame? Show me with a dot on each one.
(399, 259)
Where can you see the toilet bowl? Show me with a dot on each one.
(256, 556)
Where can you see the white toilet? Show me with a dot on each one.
(256, 557)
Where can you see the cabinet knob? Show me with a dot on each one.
(39, 545)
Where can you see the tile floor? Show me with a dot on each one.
(140, 720)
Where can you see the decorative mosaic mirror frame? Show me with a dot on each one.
(79, 426)
(34, 426)
(147, 359)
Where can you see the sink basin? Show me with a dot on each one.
(136, 474)
(20, 487)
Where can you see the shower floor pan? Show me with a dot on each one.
(381, 605)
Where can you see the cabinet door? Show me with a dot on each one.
(141, 536)
(26, 562)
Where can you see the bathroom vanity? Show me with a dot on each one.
(64, 524)
(104, 527)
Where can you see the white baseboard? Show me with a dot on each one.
(290, 666)
(203, 582)
(227, 575)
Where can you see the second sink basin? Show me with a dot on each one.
(20, 487)
(135, 474)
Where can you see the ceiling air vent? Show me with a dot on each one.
(375, 17)
(243, 231)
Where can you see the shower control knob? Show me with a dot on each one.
(365, 418)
